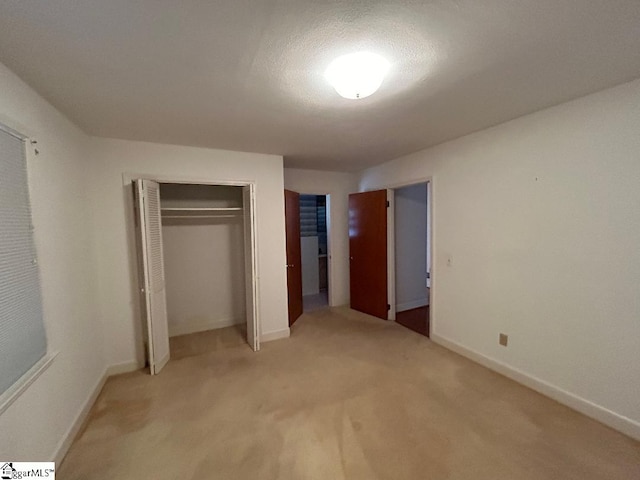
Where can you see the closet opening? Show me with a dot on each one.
(314, 251)
(197, 268)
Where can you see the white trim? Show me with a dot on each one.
(614, 420)
(80, 419)
(431, 226)
(396, 185)
(14, 133)
(77, 424)
(421, 302)
(25, 381)
(124, 367)
(391, 254)
(275, 335)
(128, 177)
(202, 326)
(13, 127)
(328, 219)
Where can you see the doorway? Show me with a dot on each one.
(390, 254)
(314, 252)
(308, 233)
(412, 257)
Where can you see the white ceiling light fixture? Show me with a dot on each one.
(357, 75)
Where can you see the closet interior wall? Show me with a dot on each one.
(203, 239)
(411, 246)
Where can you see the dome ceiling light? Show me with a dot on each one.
(357, 75)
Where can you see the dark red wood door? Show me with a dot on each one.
(368, 252)
(294, 258)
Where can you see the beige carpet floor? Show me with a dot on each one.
(346, 397)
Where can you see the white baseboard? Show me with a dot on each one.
(401, 307)
(124, 367)
(614, 420)
(275, 335)
(70, 435)
(194, 327)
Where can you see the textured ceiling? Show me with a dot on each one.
(248, 75)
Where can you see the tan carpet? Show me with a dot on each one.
(208, 341)
(347, 396)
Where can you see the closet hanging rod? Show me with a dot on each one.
(200, 216)
(201, 209)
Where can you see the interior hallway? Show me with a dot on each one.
(347, 396)
(315, 302)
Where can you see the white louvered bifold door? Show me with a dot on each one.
(22, 334)
(148, 197)
(253, 336)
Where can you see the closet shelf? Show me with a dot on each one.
(200, 212)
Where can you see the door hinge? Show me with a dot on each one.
(388, 204)
(388, 307)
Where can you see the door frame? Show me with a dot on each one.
(391, 254)
(391, 274)
(330, 294)
(127, 181)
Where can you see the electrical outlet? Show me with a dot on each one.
(503, 339)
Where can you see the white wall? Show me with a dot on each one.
(411, 247)
(81, 214)
(204, 273)
(541, 219)
(35, 425)
(310, 265)
(338, 185)
(111, 196)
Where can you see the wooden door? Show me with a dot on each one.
(152, 275)
(368, 252)
(253, 337)
(294, 257)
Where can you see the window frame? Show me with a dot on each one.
(22, 384)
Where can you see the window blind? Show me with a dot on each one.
(308, 216)
(22, 334)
